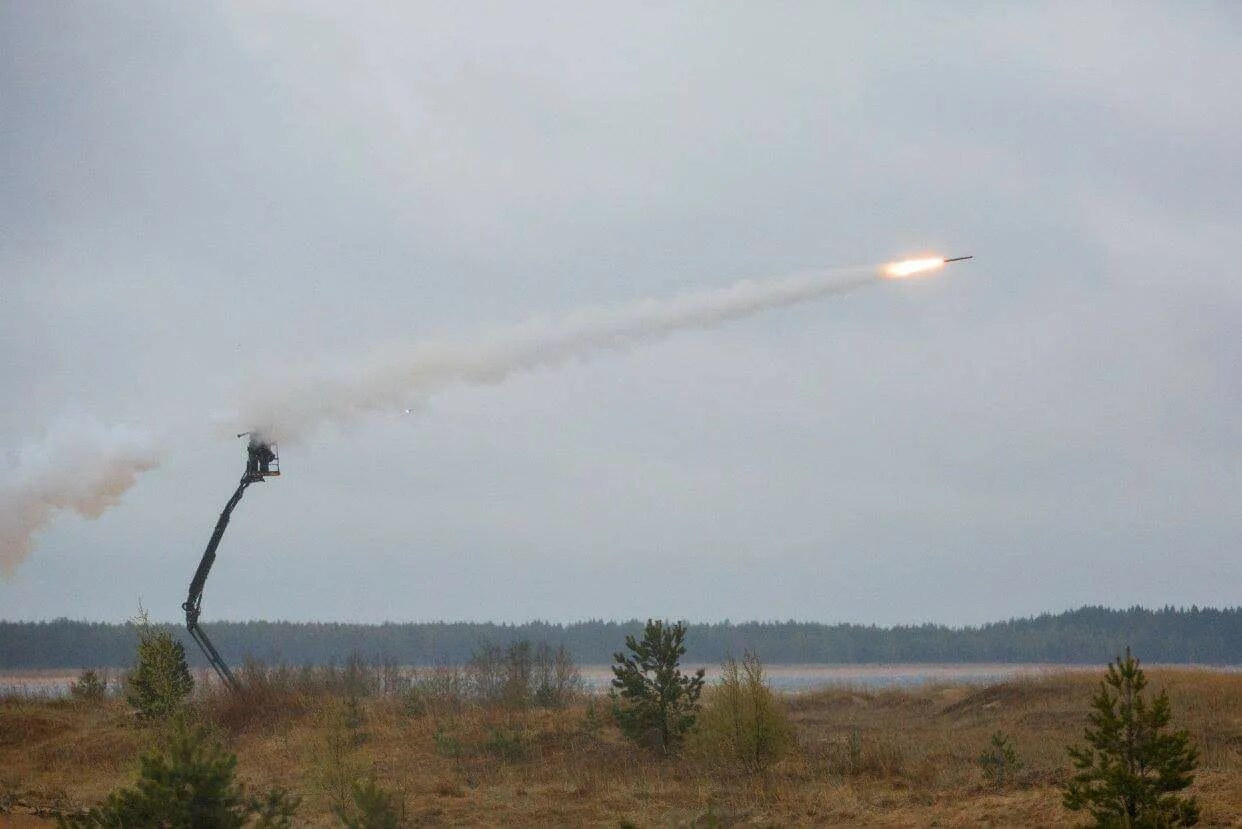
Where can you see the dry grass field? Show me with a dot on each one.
(861, 757)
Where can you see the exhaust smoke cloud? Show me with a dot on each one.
(80, 466)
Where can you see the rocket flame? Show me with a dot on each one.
(912, 267)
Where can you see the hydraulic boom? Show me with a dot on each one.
(261, 462)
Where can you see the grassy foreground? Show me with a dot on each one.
(879, 757)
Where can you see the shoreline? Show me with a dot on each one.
(792, 677)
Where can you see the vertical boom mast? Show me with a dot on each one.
(262, 461)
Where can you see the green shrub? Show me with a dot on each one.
(447, 744)
(743, 722)
(189, 782)
(510, 746)
(372, 807)
(592, 720)
(332, 763)
(999, 760)
(90, 686)
(354, 719)
(358, 679)
(160, 681)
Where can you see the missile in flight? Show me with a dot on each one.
(908, 268)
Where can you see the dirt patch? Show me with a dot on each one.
(1009, 696)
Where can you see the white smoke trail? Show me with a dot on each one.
(81, 466)
(86, 468)
(384, 381)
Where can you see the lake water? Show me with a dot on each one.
(811, 677)
(55, 683)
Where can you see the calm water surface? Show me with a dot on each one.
(55, 683)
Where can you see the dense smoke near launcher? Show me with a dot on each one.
(86, 467)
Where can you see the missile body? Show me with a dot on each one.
(959, 259)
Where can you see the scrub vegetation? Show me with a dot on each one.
(510, 737)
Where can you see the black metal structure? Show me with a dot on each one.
(262, 461)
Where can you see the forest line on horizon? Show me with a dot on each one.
(1087, 635)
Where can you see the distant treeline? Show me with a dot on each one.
(1087, 635)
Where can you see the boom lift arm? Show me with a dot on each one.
(261, 462)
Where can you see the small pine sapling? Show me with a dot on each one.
(189, 781)
(373, 807)
(653, 701)
(1132, 769)
(999, 760)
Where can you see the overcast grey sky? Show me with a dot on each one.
(194, 197)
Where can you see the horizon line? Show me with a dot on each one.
(639, 620)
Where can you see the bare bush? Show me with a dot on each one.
(743, 722)
(439, 690)
(265, 697)
(486, 673)
(518, 675)
(557, 679)
(523, 674)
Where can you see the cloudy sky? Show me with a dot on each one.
(196, 200)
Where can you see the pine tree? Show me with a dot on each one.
(90, 686)
(1130, 772)
(999, 760)
(160, 680)
(653, 701)
(190, 783)
(373, 808)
